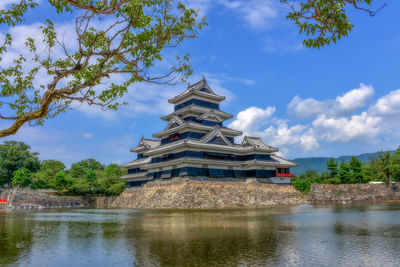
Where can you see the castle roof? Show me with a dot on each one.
(145, 144)
(197, 111)
(256, 142)
(139, 176)
(210, 115)
(250, 164)
(136, 162)
(189, 143)
(200, 88)
(216, 137)
(175, 121)
(283, 161)
(188, 125)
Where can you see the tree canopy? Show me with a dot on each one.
(15, 155)
(22, 178)
(384, 167)
(325, 21)
(81, 168)
(332, 166)
(52, 166)
(116, 44)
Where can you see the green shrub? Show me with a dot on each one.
(80, 169)
(40, 181)
(22, 178)
(81, 187)
(302, 184)
(60, 181)
(91, 175)
(114, 170)
(116, 188)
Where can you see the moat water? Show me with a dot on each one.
(306, 235)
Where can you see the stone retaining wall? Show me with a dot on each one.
(22, 198)
(188, 194)
(346, 193)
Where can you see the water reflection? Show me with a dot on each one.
(206, 238)
(15, 238)
(306, 235)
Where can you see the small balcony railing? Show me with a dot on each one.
(286, 175)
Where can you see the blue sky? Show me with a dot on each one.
(341, 99)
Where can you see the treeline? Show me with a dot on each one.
(20, 167)
(383, 168)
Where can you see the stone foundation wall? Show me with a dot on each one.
(346, 193)
(22, 198)
(189, 194)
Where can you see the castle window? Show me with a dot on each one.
(174, 137)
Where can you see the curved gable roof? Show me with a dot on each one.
(216, 137)
(210, 115)
(256, 142)
(200, 88)
(175, 121)
(146, 144)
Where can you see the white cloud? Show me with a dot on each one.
(305, 108)
(356, 128)
(387, 105)
(283, 136)
(256, 13)
(254, 121)
(308, 141)
(345, 104)
(334, 120)
(251, 119)
(354, 99)
(331, 120)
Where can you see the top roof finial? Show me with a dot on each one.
(141, 140)
(204, 77)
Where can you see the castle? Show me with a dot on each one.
(196, 145)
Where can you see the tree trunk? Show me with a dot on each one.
(387, 180)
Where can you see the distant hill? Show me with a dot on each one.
(319, 164)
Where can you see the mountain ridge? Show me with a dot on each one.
(319, 163)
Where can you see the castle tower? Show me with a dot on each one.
(195, 144)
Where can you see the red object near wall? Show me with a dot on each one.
(286, 175)
(3, 200)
